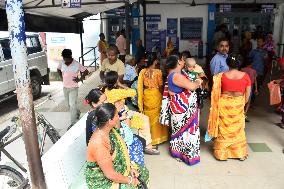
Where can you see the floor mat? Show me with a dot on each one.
(259, 147)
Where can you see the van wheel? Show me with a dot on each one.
(36, 86)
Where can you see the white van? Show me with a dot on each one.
(37, 61)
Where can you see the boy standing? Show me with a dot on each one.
(68, 70)
(259, 58)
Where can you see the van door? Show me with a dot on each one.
(5, 43)
(4, 82)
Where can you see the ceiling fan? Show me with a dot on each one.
(193, 3)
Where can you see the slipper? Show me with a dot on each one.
(151, 151)
(179, 160)
(281, 125)
(244, 158)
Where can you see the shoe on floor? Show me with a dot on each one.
(281, 125)
(78, 115)
(151, 151)
(70, 126)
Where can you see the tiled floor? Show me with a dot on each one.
(264, 169)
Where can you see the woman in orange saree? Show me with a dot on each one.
(230, 92)
(150, 99)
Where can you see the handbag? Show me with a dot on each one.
(201, 95)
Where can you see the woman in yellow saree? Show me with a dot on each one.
(102, 47)
(231, 91)
(150, 84)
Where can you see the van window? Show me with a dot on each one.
(6, 49)
(33, 45)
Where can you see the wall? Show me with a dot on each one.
(180, 11)
(56, 42)
(278, 31)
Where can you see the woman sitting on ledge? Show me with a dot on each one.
(108, 162)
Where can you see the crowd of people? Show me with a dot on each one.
(162, 102)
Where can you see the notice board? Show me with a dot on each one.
(191, 28)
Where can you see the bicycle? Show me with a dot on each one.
(9, 176)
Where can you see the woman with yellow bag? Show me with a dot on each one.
(115, 91)
(150, 85)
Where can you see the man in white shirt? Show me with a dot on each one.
(121, 45)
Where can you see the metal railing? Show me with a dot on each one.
(94, 62)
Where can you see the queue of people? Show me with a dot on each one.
(162, 105)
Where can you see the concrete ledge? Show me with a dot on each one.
(64, 161)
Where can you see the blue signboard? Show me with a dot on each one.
(57, 40)
(75, 3)
(172, 27)
(153, 18)
(70, 3)
(152, 26)
(191, 28)
(156, 39)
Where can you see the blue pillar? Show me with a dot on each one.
(211, 26)
(135, 26)
(16, 26)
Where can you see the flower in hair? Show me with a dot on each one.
(86, 102)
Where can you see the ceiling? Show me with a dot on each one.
(220, 1)
(90, 7)
(53, 7)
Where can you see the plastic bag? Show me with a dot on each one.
(275, 95)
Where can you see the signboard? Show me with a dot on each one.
(54, 53)
(156, 39)
(153, 18)
(116, 12)
(172, 27)
(267, 8)
(225, 8)
(70, 3)
(191, 28)
(152, 26)
(57, 40)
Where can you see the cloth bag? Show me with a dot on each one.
(275, 94)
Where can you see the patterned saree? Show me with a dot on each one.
(95, 177)
(180, 111)
(227, 123)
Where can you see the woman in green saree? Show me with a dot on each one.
(108, 162)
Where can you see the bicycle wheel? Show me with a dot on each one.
(10, 177)
(52, 134)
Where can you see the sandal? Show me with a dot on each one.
(151, 151)
(244, 158)
(179, 160)
(281, 125)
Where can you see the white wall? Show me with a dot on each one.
(56, 41)
(278, 31)
(180, 11)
